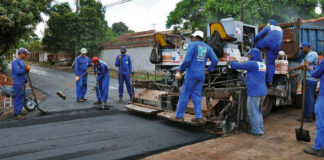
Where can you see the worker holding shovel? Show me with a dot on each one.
(102, 82)
(318, 147)
(19, 74)
(82, 63)
(124, 63)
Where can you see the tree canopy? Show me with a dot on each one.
(198, 13)
(18, 18)
(88, 28)
(120, 28)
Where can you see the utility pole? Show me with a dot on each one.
(242, 10)
(78, 36)
(154, 24)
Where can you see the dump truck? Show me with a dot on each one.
(224, 91)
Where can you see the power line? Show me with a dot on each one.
(117, 3)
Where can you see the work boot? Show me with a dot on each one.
(104, 104)
(84, 99)
(254, 134)
(120, 99)
(318, 153)
(197, 120)
(19, 117)
(130, 100)
(80, 100)
(98, 102)
(180, 119)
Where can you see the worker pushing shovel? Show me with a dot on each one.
(102, 82)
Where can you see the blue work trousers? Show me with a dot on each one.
(272, 53)
(121, 79)
(81, 87)
(102, 89)
(191, 88)
(309, 98)
(19, 98)
(319, 111)
(254, 106)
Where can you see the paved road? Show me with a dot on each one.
(78, 131)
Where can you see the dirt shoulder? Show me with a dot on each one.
(7, 112)
(278, 143)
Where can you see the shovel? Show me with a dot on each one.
(61, 93)
(32, 88)
(302, 134)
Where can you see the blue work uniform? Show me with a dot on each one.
(256, 88)
(318, 72)
(194, 64)
(102, 89)
(124, 70)
(81, 66)
(270, 38)
(311, 84)
(19, 75)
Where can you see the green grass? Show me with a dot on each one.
(142, 76)
(45, 64)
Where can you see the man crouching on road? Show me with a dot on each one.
(102, 85)
(194, 63)
(318, 147)
(19, 74)
(256, 88)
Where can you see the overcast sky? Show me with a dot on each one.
(139, 15)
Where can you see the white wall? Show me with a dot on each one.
(140, 58)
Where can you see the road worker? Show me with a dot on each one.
(194, 64)
(310, 58)
(102, 81)
(124, 64)
(19, 75)
(270, 40)
(318, 147)
(256, 88)
(82, 63)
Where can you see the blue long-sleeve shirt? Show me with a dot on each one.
(195, 60)
(19, 73)
(102, 71)
(81, 65)
(256, 75)
(272, 33)
(124, 64)
(318, 72)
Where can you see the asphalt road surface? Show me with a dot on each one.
(74, 130)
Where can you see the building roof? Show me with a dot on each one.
(136, 39)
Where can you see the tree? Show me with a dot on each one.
(18, 18)
(88, 28)
(93, 25)
(63, 29)
(120, 28)
(195, 13)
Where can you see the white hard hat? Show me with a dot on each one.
(198, 33)
(282, 53)
(83, 51)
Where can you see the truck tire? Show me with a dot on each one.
(268, 102)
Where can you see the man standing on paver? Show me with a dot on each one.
(318, 147)
(194, 64)
(311, 58)
(124, 64)
(19, 75)
(82, 63)
(256, 88)
(270, 39)
(102, 82)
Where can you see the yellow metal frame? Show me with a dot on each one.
(160, 39)
(220, 29)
